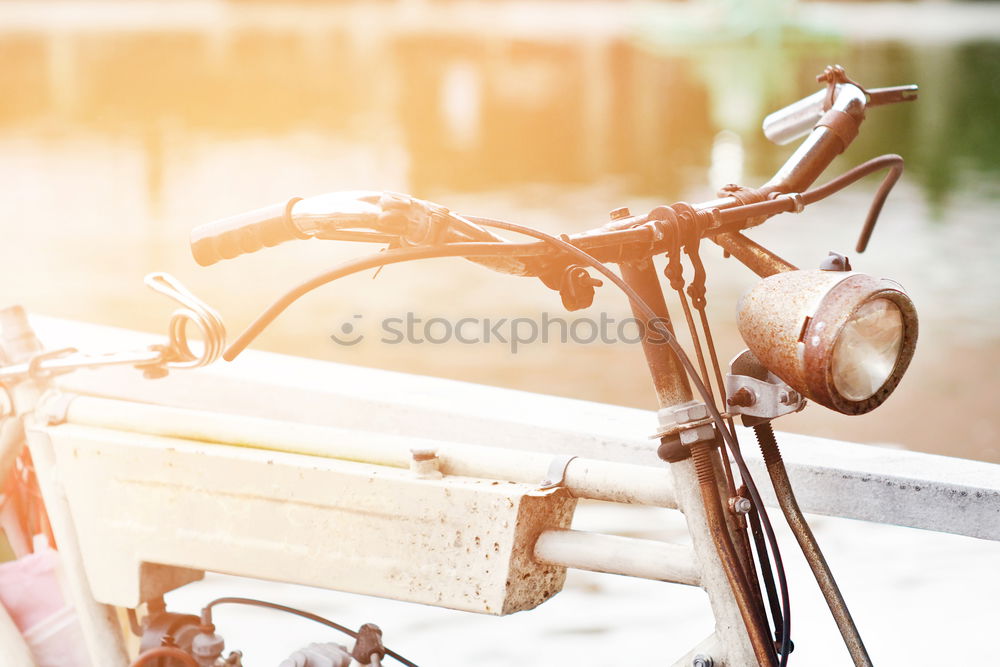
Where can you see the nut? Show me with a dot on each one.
(702, 660)
(743, 397)
(697, 434)
(621, 213)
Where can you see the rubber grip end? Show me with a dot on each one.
(242, 234)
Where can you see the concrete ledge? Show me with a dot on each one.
(830, 477)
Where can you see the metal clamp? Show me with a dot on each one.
(556, 476)
(53, 407)
(798, 203)
(761, 394)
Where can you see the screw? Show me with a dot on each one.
(702, 660)
(740, 505)
(743, 398)
(621, 213)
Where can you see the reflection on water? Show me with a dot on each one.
(115, 142)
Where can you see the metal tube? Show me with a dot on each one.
(810, 548)
(15, 649)
(99, 622)
(756, 257)
(703, 455)
(788, 124)
(632, 557)
(584, 478)
(669, 379)
(739, 628)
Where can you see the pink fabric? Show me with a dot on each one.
(29, 588)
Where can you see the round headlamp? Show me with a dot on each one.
(839, 338)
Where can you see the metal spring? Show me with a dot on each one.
(178, 353)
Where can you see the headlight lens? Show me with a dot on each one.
(866, 351)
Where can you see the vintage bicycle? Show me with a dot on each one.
(483, 525)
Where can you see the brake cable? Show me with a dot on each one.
(393, 256)
(679, 225)
(697, 292)
(706, 396)
(674, 273)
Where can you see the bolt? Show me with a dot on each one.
(788, 397)
(702, 660)
(743, 398)
(621, 213)
(424, 463)
(740, 505)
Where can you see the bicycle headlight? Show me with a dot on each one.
(841, 339)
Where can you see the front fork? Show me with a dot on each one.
(741, 626)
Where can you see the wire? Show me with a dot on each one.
(706, 396)
(252, 602)
(730, 218)
(726, 218)
(394, 256)
(765, 569)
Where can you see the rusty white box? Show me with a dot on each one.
(153, 513)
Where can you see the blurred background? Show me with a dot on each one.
(125, 124)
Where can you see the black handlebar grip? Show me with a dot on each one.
(244, 233)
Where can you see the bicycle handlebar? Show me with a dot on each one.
(834, 116)
(244, 233)
(297, 218)
(797, 119)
